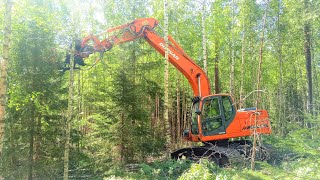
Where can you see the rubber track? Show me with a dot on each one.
(223, 154)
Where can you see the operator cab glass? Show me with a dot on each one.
(216, 115)
(228, 108)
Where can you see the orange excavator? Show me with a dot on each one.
(215, 121)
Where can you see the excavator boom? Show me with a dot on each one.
(145, 28)
(121, 34)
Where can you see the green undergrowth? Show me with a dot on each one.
(297, 156)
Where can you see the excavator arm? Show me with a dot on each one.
(144, 28)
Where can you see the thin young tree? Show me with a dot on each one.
(204, 38)
(178, 132)
(166, 74)
(69, 116)
(216, 69)
(70, 112)
(254, 144)
(281, 104)
(243, 51)
(307, 54)
(232, 86)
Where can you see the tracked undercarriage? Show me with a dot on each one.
(223, 153)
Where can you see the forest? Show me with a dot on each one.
(123, 113)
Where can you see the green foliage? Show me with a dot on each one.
(34, 124)
(116, 101)
(165, 170)
(295, 156)
(198, 171)
(168, 169)
(289, 160)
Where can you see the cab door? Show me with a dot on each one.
(212, 116)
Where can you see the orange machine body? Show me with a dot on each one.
(233, 123)
(243, 123)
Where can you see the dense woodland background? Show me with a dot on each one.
(118, 104)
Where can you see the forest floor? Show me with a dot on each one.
(297, 156)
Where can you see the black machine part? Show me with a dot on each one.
(223, 153)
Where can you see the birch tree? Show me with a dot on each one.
(166, 73)
(254, 144)
(204, 39)
(69, 117)
(242, 61)
(232, 88)
(74, 17)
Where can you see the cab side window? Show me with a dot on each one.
(194, 119)
(228, 108)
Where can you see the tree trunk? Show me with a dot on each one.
(178, 110)
(242, 69)
(187, 108)
(153, 114)
(31, 143)
(254, 144)
(232, 53)
(307, 52)
(204, 39)
(157, 112)
(3, 69)
(37, 140)
(166, 76)
(69, 116)
(122, 143)
(157, 124)
(184, 110)
(279, 128)
(216, 69)
(172, 117)
(79, 105)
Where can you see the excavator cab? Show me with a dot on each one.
(215, 118)
(214, 121)
(210, 115)
(217, 112)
